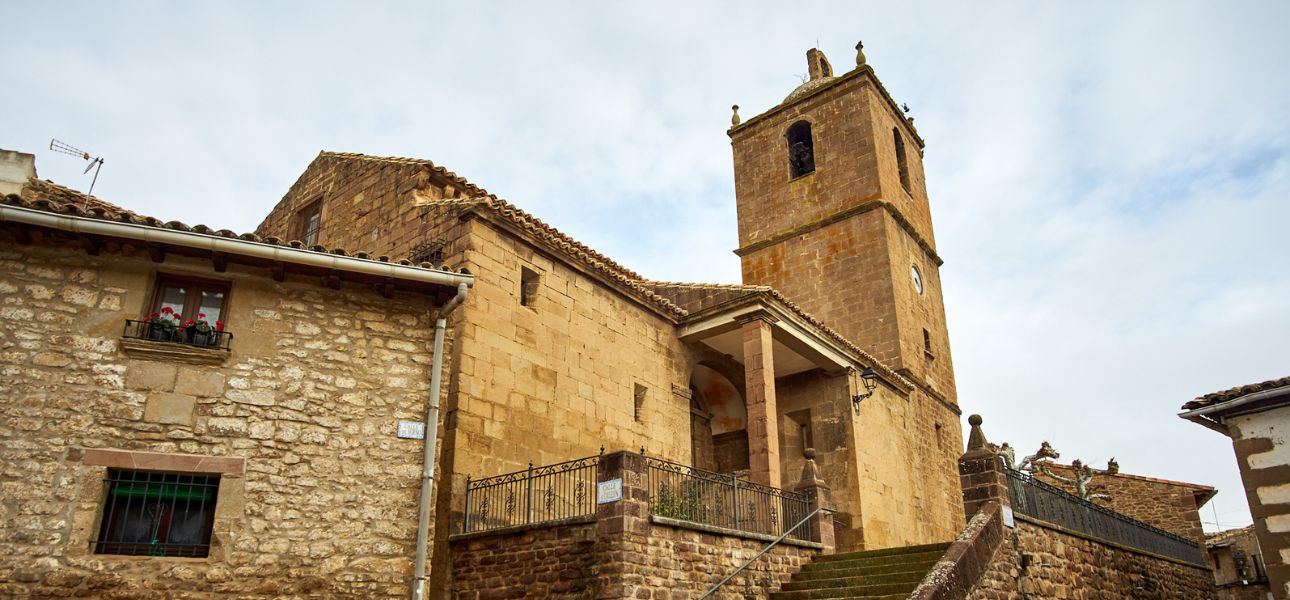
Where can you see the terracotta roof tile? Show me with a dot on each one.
(1227, 535)
(481, 198)
(1236, 392)
(43, 189)
(42, 196)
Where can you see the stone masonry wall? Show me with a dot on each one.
(299, 418)
(1262, 447)
(1036, 562)
(564, 561)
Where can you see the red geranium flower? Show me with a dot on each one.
(219, 326)
(167, 310)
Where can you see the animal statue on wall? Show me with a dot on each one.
(1083, 476)
(1045, 454)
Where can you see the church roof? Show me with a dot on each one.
(699, 299)
(481, 199)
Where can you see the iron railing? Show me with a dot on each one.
(157, 514)
(723, 500)
(535, 495)
(1045, 502)
(142, 330)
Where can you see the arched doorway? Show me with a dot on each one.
(718, 422)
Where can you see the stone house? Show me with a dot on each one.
(1257, 416)
(148, 460)
(1238, 564)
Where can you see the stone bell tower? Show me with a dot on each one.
(833, 212)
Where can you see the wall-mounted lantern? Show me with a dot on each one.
(870, 379)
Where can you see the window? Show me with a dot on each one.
(901, 162)
(529, 281)
(192, 298)
(638, 397)
(157, 514)
(801, 150)
(927, 341)
(308, 223)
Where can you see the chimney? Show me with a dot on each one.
(15, 169)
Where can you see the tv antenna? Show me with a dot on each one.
(96, 162)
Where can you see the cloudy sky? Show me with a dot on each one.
(1110, 181)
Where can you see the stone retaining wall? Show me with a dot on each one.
(1037, 561)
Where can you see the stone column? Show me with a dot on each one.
(818, 494)
(981, 472)
(759, 390)
(621, 526)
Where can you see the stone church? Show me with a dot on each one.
(250, 447)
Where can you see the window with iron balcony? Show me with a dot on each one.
(185, 311)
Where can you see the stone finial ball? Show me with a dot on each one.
(974, 420)
(809, 453)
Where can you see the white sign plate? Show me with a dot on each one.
(609, 491)
(412, 430)
(1007, 517)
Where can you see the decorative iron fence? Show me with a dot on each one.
(721, 500)
(534, 495)
(141, 330)
(1042, 501)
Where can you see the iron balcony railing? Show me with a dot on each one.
(142, 330)
(1044, 502)
(723, 500)
(535, 495)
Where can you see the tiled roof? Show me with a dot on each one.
(43, 189)
(732, 292)
(1227, 535)
(481, 198)
(73, 204)
(1236, 392)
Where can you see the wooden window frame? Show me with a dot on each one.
(192, 301)
(300, 230)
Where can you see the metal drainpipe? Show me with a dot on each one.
(431, 440)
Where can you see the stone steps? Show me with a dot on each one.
(873, 574)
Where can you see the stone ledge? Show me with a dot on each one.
(732, 532)
(170, 351)
(582, 520)
(157, 461)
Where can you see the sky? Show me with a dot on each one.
(1110, 181)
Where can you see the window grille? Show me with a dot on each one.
(157, 514)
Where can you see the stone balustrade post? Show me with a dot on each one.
(981, 472)
(622, 526)
(818, 495)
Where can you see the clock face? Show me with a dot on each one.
(918, 279)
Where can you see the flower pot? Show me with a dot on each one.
(200, 339)
(161, 335)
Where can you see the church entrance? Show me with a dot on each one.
(718, 422)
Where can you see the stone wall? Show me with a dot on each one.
(1038, 562)
(1168, 505)
(299, 419)
(1262, 447)
(1236, 581)
(621, 552)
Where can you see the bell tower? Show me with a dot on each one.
(833, 212)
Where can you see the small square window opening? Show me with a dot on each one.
(529, 282)
(638, 402)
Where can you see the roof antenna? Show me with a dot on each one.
(96, 162)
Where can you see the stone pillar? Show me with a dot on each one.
(759, 392)
(818, 494)
(981, 472)
(621, 526)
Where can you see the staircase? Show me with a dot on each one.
(880, 574)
